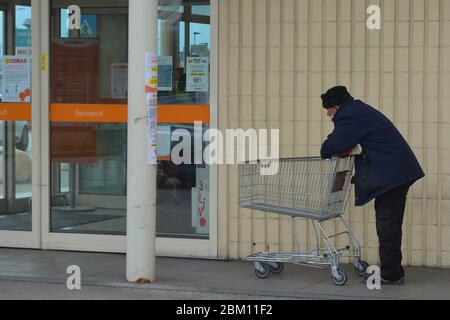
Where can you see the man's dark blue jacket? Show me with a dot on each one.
(387, 161)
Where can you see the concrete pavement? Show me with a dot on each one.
(39, 274)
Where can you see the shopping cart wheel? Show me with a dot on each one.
(276, 268)
(363, 266)
(263, 272)
(341, 280)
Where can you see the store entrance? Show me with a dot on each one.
(89, 120)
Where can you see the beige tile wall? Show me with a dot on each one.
(275, 59)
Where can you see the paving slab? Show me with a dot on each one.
(214, 277)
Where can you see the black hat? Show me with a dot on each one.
(335, 97)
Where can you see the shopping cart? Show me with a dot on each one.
(310, 188)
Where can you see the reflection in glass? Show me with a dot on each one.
(15, 175)
(2, 162)
(175, 31)
(89, 182)
(2, 36)
(201, 10)
(88, 178)
(23, 159)
(94, 59)
(88, 172)
(89, 160)
(182, 190)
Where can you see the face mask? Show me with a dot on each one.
(333, 115)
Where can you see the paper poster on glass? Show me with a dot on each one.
(151, 72)
(119, 80)
(200, 201)
(23, 42)
(197, 74)
(152, 146)
(16, 82)
(151, 88)
(165, 72)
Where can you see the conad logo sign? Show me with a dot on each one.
(15, 61)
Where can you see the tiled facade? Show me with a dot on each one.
(276, 57)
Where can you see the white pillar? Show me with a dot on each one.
(141, 195)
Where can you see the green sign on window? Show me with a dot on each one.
(23, 38)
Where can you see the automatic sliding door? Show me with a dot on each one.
(88, 119)
(88, 126)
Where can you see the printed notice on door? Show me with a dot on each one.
(119, 80)
(151, 88)
(197, 74)
(200, 201)
(16, 82)
(165, 70)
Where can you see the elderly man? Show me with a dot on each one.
(384, 171)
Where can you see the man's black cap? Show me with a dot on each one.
(335, 97)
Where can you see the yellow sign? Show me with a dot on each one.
(44, 62)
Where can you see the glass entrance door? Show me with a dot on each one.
(88, 127)
(15, 123)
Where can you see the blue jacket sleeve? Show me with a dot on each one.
(346, 135)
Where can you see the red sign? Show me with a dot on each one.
(74, 142)
(74, 70)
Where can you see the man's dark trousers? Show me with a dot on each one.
(390, 210)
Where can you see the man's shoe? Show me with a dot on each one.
(392, 282)
(366, 277)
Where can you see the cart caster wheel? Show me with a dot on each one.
(264, 273)
(277, 269)
(341, 280)
(363, 266)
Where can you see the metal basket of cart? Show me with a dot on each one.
(309, 188)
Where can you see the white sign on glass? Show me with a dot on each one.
(16, 80)
(197, 74)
